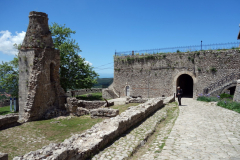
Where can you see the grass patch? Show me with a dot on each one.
(91, 97)
(34, 135)
(124, 107)
(5, 110)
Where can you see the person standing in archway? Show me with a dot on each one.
(179, 95)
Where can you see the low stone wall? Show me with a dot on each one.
(104, 112)
(3, 156)
(82, 146)
(79, 107)
(83, 91)
(74, 102)
(136, 100)
(9, 120)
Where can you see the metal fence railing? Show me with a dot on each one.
(192, 48)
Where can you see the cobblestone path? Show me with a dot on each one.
(203, 131)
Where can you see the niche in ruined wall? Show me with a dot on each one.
(52, 66)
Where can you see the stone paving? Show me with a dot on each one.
(203, 131)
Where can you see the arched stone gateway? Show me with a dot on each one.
(127, 91)
(187, 81)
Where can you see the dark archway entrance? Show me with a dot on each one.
(232, 90)
(186, 83)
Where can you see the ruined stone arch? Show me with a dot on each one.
(230, 86)
(175, 79)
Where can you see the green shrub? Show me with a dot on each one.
(207, 99)
(235, 106)
(213, 69)
(91, 97)
(225, 95)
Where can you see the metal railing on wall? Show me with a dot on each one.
(193, 48)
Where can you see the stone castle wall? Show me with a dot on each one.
(156, 75)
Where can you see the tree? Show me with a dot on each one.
(74, 71)
(9, 76)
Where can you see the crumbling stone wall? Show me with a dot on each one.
(82, 146)
(104, 112)
(83, 91)
(156, 75)
(81, 107)
(8, 120)
(39, 85)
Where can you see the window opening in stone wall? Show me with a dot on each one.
(127, 91)
(186, 84)
(52, 72)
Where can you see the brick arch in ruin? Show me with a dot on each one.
(175, 81)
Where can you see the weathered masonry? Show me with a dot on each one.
(39, 85)
(200, 72)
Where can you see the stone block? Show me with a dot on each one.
(81, 111)
(104, 112)
(3, 156)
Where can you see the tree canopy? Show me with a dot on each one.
(75, 72)
(9, 76)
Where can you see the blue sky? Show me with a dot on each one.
(103, 26)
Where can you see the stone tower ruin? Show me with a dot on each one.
(39, 62)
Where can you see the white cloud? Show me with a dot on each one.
(7, 40)
(87, 62)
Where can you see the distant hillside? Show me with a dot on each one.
(103, 82)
